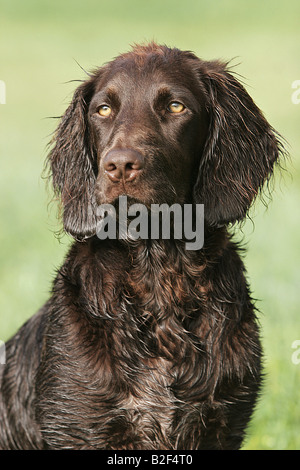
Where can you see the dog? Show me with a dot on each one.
(145, 344)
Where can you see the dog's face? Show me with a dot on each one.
(148, 124)
(161, 126)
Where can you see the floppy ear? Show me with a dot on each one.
(71, 163)
(240, 151)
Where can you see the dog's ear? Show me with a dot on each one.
(72, 166)
(240, 151)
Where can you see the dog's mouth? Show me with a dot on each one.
(144, 191)
(112, 194)
(126, 199)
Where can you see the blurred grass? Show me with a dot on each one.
(40, 42)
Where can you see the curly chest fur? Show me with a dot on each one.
(118, 388)
(137, 368)
(139, 399)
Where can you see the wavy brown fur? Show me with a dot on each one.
(145, 345)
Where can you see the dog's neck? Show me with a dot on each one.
(159, 276)
(164, 279)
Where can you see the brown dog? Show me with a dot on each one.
(145, 344)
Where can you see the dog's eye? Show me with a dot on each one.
(104, 110)
(175, 107)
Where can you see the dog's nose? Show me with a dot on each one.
(123, 164)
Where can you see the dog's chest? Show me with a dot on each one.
(148, 407)
(138, 402)
(146, 353)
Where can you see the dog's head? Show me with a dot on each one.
(161, 126)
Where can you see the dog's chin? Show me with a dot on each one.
(147, 198)
(111, 194)
(141, 192)
(129, 200)
(115, 200)
(133, 197)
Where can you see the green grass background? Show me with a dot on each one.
(40, 45)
